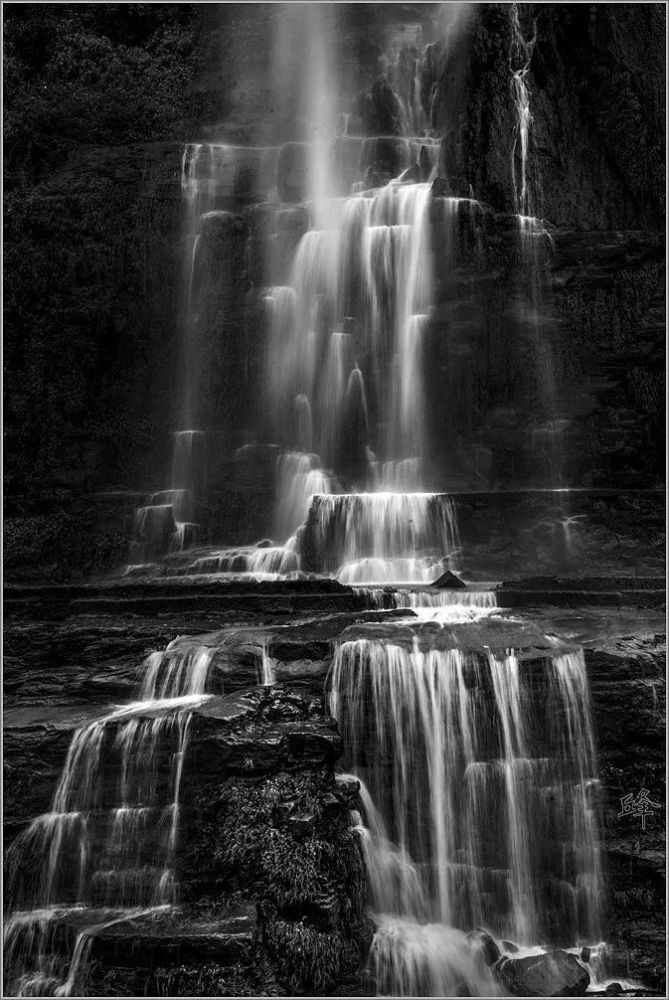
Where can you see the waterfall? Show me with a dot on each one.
(370, 271)
(347, 334)
(105, 852)
(442, 740)
(447, 606)
(382, 537)
(271, 563)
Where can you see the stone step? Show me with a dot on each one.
(516, 597)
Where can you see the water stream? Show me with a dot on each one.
(442, 741)
(105, 852)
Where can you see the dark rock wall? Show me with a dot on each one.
(595, 155)
(627, 685)
(98, 102)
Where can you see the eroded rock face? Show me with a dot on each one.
(627, 684)
(587, 178)
(291, 172)
(553, 974)
(265, 818)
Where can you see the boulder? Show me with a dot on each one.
(449, 581)
(552, 974)
(440, 188)
(484, 945)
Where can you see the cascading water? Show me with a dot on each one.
(345, 347)
(345, 356)
(105, 852)
(382, 537)
(167, 523)
(442, 741)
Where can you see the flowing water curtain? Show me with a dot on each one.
(104, 853)
(444, 740)
(383, 537)
(354, 316)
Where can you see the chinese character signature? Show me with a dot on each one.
(638, 805)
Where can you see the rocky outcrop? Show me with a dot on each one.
(182, 954)
(551, 974)
(266, 819)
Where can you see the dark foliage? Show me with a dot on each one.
(91, 255)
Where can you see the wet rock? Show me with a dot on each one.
(265, 543)
(614, 990)
(376, 176)
(424, 163)
(585, 954)
(349, 787)
(485, 945)
(386, 110)
(440, 188)
(459, 187)
(153, 528)
(291, 172)
(510, 946)
(553, 974)
(143, 569)
(412, 175)
(302, 825)
(293, 220)
(449, 580)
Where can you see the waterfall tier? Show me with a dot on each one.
(444, 740)
(380, 537)
(108, 845)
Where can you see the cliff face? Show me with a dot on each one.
(596, 102)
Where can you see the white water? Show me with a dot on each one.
(369, 257)
(104, 854)
(383, 537)
(299, 478)
(442, 606)
(258, 563)
(444, 740)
